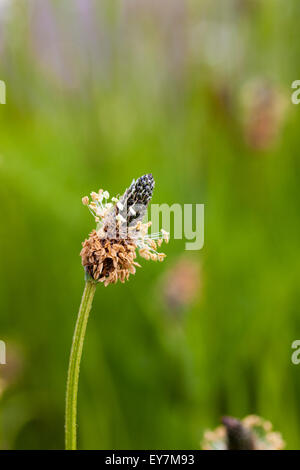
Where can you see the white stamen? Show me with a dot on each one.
(120, 218)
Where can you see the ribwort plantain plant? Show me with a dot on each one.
(109, 255)
(250, 433)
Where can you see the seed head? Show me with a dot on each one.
(108, 255)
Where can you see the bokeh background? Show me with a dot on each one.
(198, 93)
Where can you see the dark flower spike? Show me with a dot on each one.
(136, 198)
(238, 437)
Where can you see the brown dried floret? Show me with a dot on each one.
(108, 260)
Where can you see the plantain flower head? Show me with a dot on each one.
(250, 433)
(109, 254)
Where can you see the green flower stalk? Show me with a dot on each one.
(74, 364)
(108, 255)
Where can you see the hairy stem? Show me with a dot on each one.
(74, 365)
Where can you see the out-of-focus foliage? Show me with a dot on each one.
(98, 93)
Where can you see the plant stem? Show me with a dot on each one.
(74, 365)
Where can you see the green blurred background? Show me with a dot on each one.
(198, 93)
